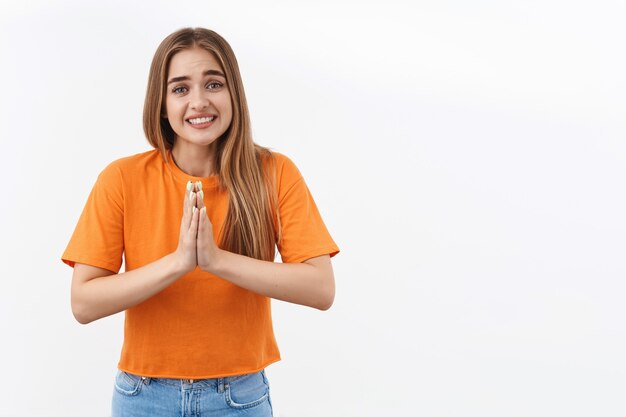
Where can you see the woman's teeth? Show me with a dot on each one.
(201, 120)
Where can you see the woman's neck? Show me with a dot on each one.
(195, 160)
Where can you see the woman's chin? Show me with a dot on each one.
(196, 142)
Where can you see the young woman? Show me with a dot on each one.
(197, 220)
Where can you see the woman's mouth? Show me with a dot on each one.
(201, 122)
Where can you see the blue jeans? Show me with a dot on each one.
(137, 396)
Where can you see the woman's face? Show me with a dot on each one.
(197, 104)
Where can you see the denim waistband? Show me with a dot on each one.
(206, 383)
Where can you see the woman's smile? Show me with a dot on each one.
(201, 121)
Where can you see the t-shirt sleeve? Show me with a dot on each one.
(303, 232)
(98, 238)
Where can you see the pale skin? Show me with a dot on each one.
(98, 292)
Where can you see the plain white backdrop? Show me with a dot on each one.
(469, 158)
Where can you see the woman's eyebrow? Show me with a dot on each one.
(185, 77)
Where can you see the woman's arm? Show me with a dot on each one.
(311, 283)
(98, 292)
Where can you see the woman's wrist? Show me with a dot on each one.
(215, 260)
(178, 265)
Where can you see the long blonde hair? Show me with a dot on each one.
(246, 170)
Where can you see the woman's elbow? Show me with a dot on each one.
(327, 296)
(79, 314)
(324, 283)
(326, 304)
(78, 309)
(81, 320)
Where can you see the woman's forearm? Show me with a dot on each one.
(98, 293)
(309, 283)
(94, 297)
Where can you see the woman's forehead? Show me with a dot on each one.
(193, 62)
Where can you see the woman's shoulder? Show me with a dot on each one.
(136, 160)
(285, 167)
(125, 168)
(286, 173)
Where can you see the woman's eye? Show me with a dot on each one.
(214, 85)
(211, 86)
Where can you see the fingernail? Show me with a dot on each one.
(189, 185)
(191, 196)
(194, 209)
(199, 183)
(203, 210)
(201, 195)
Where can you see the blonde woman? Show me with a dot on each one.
(197, 219)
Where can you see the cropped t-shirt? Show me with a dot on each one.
(201, 326)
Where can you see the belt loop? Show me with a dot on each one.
(146, 380)
(220, 385)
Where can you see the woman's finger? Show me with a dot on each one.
(184, 224)
(206, 249)
(186, 251)
(193, 228)
(201, 221)
(186, 200)
(200, 196)
(191, 204)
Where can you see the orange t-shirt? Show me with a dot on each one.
(201, 326)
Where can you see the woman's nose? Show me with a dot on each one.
(199, 100)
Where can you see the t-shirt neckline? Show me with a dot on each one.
(183, 177)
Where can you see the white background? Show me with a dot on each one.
(468, 157)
